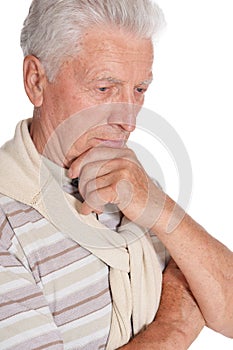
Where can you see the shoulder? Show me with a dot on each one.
(17, 212)
(13, 215)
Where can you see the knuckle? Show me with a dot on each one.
(85, 169)
(89, 187)
(124, 173)
(91, 199)
(129, 153)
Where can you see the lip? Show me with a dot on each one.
(119, 143)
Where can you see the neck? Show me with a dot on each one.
(45, 140)
(38, 137)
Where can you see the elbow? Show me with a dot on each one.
(224, 329)
(228, 333)
(223, 320)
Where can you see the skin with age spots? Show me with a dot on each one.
(117, 68)
(116, 71)
(112, 72)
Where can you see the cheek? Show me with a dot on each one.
(77, 102)
(66, 100)
(79, 132)
(57, 103)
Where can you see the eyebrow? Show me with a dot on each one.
(118, 81)
(109, 79)
(146, 82)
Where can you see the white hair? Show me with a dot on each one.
(53, 28)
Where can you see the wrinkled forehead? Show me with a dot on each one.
(98, 40)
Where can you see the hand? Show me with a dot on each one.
(114, 175)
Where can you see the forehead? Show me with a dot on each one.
(108, 49)
(109, 38)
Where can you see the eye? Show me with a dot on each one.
(103, 89)
(140, 90)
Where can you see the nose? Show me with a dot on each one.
(124, 115)
(124, 111)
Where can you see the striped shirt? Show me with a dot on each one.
(47, 293)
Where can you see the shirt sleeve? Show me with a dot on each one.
(25, 318)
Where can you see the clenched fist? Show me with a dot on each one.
(114, 175)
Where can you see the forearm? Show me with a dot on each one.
(206, 263)
(178, 321)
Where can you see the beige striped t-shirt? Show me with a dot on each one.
(47, 296)
(50, 287)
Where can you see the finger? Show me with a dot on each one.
(98, 175)
(96, 200)
(75, 164)
(98, 153)
(126, 168)
(100, 182)
(96, 171)
(86, 210)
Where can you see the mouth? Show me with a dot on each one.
(119, 143)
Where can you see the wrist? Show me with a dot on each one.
(158, 336)
(169, 337)
(170, 217)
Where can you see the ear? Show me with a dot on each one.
(34, 80)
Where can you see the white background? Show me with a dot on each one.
(192, 90)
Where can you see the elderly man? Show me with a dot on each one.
(83, 227)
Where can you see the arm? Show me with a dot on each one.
(178, 321)
(206, 263)
(25, 318)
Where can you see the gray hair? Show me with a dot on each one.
(53, 28)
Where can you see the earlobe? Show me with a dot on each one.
(34, 79)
